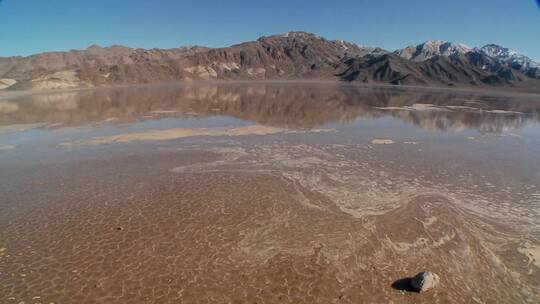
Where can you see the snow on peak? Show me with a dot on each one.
(444, 48)
(300, 34)
(509, 56)
(432, 48)
(494, 50)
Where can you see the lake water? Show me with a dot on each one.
(269, 193)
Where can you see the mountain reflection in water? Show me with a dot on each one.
(286, 105)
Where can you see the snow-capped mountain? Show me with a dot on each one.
(512, 58)
(432, 48)
(353, 49)
(502, 57)
(294, 55)
(364, 50)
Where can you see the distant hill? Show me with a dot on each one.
(295, 55)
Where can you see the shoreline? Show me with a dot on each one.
(494, 91)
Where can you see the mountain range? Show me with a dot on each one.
(294, 55)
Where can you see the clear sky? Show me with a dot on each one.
(31, 26)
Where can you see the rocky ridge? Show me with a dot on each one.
(295, 55)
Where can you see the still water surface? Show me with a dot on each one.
(268, 193)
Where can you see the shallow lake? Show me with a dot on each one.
(270, 193)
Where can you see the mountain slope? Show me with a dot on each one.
(512, 58)
(295, 55)
(471, 69)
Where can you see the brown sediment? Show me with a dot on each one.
(268, 223)
(382, 141)
(169, 134)
(532, 253)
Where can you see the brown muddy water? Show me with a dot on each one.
(269, 193)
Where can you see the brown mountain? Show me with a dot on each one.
(295, 55)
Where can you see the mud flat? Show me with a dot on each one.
(263, 223)
(170, 134)
(205, 210)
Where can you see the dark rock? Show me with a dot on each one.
(424, 281)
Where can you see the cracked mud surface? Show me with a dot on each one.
(263, 224)
(279, 217)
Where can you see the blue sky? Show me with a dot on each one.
(31, 26)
